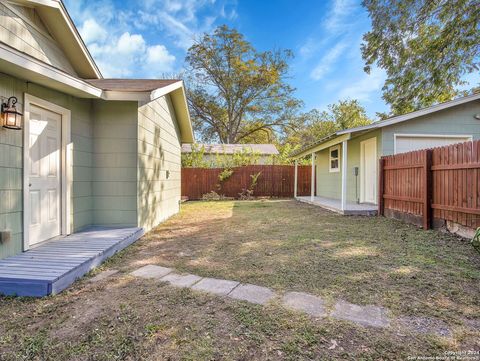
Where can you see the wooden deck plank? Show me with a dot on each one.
(51, 267)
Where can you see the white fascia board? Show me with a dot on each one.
(78, 39)
(415, 114)
(50, 3)
(160, 92)
(146, 96)
(126, 96)
(27, 62)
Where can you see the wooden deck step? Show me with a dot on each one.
(53, 266)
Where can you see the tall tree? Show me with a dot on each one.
(425, 46)
(342, 115)
(237, 92)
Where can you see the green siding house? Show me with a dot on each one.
(91, 151)
(344, 164)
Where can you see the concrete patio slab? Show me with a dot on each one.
(151, 271)
(251, 293)
(373, 316)
(178, 280)
(103, 275)
(300, 301)
(216, 286)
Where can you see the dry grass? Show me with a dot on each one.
(280, 244)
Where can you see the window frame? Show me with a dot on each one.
(330, 159)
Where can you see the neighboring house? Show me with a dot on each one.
(92, 151)
(218, 153)
(346, 162)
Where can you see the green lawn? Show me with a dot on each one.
(281, 244)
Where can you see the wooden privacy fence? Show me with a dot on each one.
(274, 181)
(431, 185)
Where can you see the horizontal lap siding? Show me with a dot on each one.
(159, 151)
(457, 120)
(22, 29)
(115, 163)
(11, 154)
(11, 161)
(329, 184)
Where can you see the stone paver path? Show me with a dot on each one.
(371, 316)
(152, 271)
(364, 315)
(251, 293)
(300, 301)
(181, 280)
(212, 285)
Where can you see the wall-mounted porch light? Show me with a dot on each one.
(11, 117)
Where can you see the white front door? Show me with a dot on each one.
(368, 171)
(44, 175)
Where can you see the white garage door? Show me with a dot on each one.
(407, 143)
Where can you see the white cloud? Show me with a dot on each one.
(181, 20)
(129, 54)
(137, 38)
(130, 44)
(363, 88)
(91, 31)
(339, 17)
(159, 60)
(327, 61)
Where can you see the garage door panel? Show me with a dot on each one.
(408, 143)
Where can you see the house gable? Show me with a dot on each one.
(22, 28)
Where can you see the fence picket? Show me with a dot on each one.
(274, 181)
(445, 186)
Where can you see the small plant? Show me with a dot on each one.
(476, 240)
(247, 193)
(213, 196)
(254, 180)
(225, 174)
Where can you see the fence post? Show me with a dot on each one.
(381, 185)
(427, 190)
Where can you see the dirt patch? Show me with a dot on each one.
(425, 325)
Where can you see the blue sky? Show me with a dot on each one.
(149, 38)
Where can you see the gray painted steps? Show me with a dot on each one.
(53, 266)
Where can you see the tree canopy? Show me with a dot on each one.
(237, 93)
(426, 48)
(344, 114)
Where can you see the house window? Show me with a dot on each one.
(334, 160)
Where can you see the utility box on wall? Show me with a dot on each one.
(5, 236)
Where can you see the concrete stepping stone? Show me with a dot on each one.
(178, 280)
(216, 286)
(151, 271)
(251, 293)
(304, 302)
(103, 275)
(373, 316)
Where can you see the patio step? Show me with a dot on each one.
(51, 267)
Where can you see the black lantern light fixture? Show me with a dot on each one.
(11, 117)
